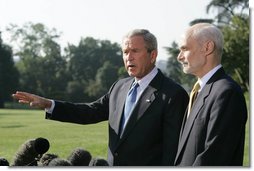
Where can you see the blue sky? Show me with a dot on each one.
(106, 19)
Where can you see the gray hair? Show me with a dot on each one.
(149, 38)
(206, 31)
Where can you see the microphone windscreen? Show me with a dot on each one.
(26, 155)
(41, 145)
(4, 162)
(80, 157)
(98, 162)
(46, 159)
(59, 162)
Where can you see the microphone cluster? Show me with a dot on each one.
(33, 153)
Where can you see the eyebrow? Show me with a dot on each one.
(183, 47)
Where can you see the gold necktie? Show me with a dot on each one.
(193, 96)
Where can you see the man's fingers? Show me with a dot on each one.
(24, 101)
(23, 96)
(18, 97)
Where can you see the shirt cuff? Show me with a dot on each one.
(50, 110)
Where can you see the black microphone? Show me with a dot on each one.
(41, 145)
(4, 162)
(98, 162)
(46, 159)
(26, 155)
(30, 152)
(80, 157)
(59, 162)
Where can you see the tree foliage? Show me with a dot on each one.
(228, 8)
(8, 73)
(93, 65)
(83, 73)
(41, 66)
(236, 50)
(105, 77)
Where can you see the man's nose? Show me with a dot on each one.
(129, 56)
(180, 56)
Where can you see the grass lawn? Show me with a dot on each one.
(18, 126)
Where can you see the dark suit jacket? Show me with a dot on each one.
(151, 135)
(213, 135)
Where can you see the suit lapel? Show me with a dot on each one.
(198, 104)
(145, 100)
(183, 123)
(200, 101)
(120, 105)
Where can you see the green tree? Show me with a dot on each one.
(89, 63)
(8, 73)
(227, 9)
(236, 50)
(41, 65)
(105, 77)
(75, 91)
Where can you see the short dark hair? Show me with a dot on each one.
(149, 38)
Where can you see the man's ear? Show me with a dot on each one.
(153, 55)
(209, 47)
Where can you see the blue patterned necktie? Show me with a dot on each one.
(129, 103)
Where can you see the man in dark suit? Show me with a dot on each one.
(213, 130)
(148, 135)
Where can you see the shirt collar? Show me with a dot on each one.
(144, 82)
(202, 82)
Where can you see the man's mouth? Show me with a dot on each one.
(131, 66)
(184, 64)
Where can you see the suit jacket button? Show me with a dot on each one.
(116, 154)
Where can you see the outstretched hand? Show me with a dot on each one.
(32, 99)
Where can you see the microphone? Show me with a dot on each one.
(4, 162)
(30, 152)
(80, 157)
(41, 145)
(98, 162)
(26, 155)
(59, 162)
(46, 159)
